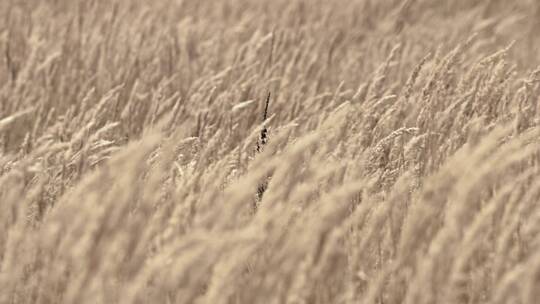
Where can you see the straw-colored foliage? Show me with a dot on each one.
(402, 162)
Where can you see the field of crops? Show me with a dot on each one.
(285, 151)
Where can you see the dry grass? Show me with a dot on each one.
(401, 162)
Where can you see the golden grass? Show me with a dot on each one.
(400, 162)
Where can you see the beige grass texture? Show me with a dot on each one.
(402, 162)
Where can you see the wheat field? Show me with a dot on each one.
(285, 151)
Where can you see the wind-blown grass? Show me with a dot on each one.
(401, 141)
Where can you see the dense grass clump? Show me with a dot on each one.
(396, 161)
